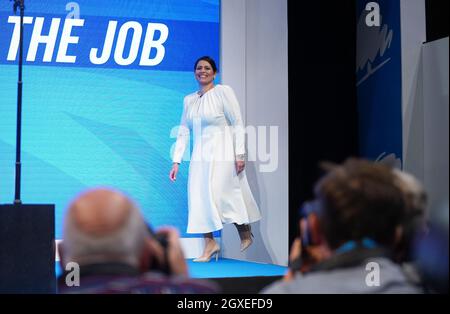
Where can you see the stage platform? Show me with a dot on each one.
(225, 268)
(237, 277)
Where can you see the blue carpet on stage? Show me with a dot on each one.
(226, 268)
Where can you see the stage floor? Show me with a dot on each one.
(226, 268)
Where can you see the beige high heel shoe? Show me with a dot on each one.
(245, 244)
(206, 259)
(246, 238)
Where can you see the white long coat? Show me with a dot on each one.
(216, 194)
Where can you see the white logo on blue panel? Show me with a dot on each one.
(373, 40)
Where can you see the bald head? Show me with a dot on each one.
(103, 225)
(100, 212)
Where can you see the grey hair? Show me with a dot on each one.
(125, 245)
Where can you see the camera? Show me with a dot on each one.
(162, 240)
(305, 210)
(305, 234)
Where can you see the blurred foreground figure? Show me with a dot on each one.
(106, 237)
(431, 252)
(349, 234)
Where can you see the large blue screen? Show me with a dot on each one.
(104, 83)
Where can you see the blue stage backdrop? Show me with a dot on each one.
(379, 80)
(104, 83)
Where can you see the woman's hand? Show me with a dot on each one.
(173, 172)
(240, 165)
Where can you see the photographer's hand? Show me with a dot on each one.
(295, 255)
(302, 258)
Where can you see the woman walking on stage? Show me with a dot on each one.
(218, 191)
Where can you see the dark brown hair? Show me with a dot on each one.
(207, 59)
(359, 199)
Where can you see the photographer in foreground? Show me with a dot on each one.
(106, 236)
(349, 234)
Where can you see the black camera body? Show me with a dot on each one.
(305, 233)
(162, 240)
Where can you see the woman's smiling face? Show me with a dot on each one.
(204, 73)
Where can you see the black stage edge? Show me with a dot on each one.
(27, 249)
(244, 285)
(323, 116)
